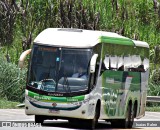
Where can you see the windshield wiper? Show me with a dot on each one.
(66, 83)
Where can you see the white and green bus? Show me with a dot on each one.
(113, 85)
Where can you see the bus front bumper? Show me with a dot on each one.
(85, 111)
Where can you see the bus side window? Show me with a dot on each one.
(103, 68)
(136, 64)
(127, 62)
(113, 62)
(146, 64)
(106, 62)
(141, 68)
(120, 64)
(121, 68)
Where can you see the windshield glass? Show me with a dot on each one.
(59, 69)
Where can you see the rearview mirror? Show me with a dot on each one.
(22, 58)
(93, 63)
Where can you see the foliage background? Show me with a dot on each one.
(22, 20)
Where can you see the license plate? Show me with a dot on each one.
(54, 111)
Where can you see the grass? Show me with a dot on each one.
(153, 109)
(5, 104)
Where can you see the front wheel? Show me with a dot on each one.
(93, 122)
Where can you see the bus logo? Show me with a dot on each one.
(54, 104)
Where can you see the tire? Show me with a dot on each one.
(133, 113)
(93, 122)
(130, 118)
(124, 123)
(128, 121)
(74, 122)
(89, 124)
(39, 119)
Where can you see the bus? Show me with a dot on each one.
(113, 87)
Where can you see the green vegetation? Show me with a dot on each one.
(22, 20)
(5, 104)
(153, 107)
(12, 81)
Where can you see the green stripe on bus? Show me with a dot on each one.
(114, 40)
(55, 99)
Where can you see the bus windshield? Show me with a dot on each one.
(54, 69)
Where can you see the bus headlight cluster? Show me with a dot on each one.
(81, 102)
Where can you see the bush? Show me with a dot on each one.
(12, 81)
(154, 87)
(154, 83)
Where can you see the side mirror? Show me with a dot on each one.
(93, 63)
(22, 58)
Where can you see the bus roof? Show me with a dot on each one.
(141, 43)
(78, 38)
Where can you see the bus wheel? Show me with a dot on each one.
(39, 119)
(73, 121)
(94, 121)
(124, 123)
(128, 121)
(133, 113)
